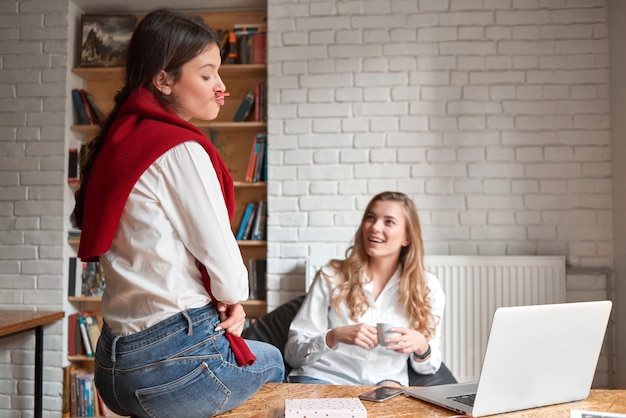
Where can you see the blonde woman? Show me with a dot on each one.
(333, 338)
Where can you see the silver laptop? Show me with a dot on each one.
(536, 355)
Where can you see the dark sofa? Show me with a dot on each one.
(274, 327)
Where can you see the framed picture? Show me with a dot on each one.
(105, 39)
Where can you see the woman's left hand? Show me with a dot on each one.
(408, 341)
(233, 318)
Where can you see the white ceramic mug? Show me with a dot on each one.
(384, 332)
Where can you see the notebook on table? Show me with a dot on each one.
(536, 356)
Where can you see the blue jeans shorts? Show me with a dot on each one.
(180, 367)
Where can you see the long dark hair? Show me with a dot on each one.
(164, 40)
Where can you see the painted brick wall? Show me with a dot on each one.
(33, 55)
(493, 115)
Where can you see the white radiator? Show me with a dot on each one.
(475, 287)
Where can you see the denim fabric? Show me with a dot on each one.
(180, 367)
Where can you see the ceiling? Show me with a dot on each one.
(141, 6)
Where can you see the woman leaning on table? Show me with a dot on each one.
(154, 207)
(333, 338)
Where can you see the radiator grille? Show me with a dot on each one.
(476, 286)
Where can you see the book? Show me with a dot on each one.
(258, 229)
(245, 219)
(74, 285)
(260, 102)
(91, 117)
(256, 278)
(260, 269)
(74, 345)
(244, 108)
(66, 396)
(259, 54)
(79, 107)
(93, 280)
(232, 57)
(98, 113)
(72, 164)
(93, 330)
(250, 27)
(224, 36)
(254, 150)
(260, 159)
(247, 234)
(85, 337)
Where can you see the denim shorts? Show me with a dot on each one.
(180, 367)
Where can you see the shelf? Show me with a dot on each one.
(255, 308)
(87, 299)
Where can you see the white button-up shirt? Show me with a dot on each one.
(349, 364)
(174, 215)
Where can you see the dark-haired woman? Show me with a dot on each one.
(154, 207)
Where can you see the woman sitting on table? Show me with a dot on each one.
(333, 338)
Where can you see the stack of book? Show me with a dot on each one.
(86, 108)
(256, 278)
(83, 334)
(257, 162)
(85, 278)
(252, 225)
(80, 396)
(246, 43)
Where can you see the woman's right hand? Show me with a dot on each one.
(363, 335)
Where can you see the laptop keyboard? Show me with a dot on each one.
(465, 399)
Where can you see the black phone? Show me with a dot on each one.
(381, 394)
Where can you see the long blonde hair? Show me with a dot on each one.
(413, 290)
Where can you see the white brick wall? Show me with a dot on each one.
(492, 115)
(33, 56)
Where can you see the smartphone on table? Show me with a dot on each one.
(381, 394)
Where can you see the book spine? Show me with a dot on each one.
(72, 348)
(88, 111)
(259, 220)
(83, 333)
(244, 221)
(261, 267)
(252, 160)
(259, 49)
(260, 159)
(248, 232)
(244, 108)
(80, 109)
(71, 279)
(73, 394)
(232, 57)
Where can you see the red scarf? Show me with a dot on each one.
(142, 133)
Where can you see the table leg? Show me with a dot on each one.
(38, 371)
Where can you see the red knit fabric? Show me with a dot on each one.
(142, 133)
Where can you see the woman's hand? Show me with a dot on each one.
(363, 335)
(408, 341)
(233, 318)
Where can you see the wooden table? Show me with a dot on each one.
(15, 322)
(270, 402)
